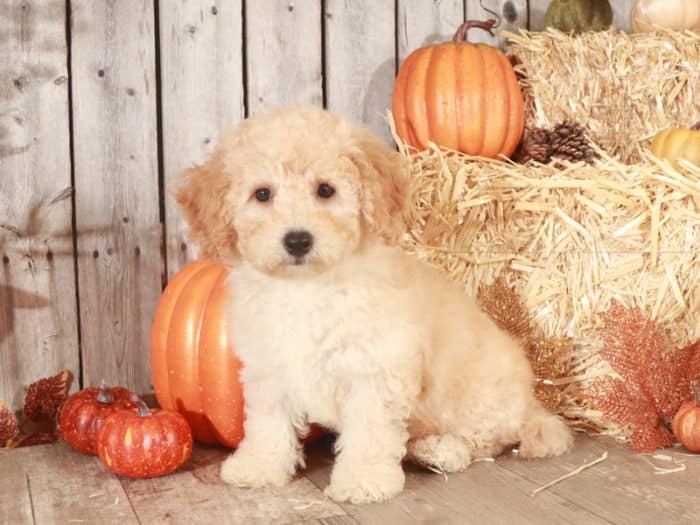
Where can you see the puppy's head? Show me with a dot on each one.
(294, 191)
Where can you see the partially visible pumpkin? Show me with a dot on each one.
(82, 415)
(579, 16)
(461, 96)
(675, 144)
(686, 422)
(672, 14)
(195, 370)
(144, 443)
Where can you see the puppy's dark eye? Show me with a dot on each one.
(263, 194)
(325, 191)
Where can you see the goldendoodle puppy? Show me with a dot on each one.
(336, 325)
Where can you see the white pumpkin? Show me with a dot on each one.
(673, 14)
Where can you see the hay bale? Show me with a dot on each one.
(623, 87)
(568, 241)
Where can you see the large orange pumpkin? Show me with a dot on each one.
(195, 370)
(461, 96)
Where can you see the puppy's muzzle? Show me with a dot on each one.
(298, 243)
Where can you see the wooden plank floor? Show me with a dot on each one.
(52, 484)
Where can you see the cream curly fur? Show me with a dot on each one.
(357, 335)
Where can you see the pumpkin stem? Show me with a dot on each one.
(695, 385)
(461, 33)
(104, 395)
(696, 127)
(486, 25)
(143, 410)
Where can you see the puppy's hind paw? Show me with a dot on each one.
(254, 471)
(365, 483)
(545, 436)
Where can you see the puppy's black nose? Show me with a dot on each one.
(298, 243)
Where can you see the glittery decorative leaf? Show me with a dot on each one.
(9, 426)
(547, 355)
(549, 395)
(504, 306)
(628, 337)
(684, 365)
(45, 396)
(650, 438)
(619, 397)
(653, 381)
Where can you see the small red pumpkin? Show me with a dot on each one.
(686, 422)
(143, 442)
(82, 415)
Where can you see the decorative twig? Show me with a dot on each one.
(498, 17)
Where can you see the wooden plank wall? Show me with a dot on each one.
(102, 104)
(38, 315)
(115, 165)
(201, 64)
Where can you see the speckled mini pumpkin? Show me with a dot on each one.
(144, 443)
(579, 15)
(82, 415)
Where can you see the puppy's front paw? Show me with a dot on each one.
(244, 469)
(365, 483)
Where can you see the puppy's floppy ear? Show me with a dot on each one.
(201, 196)
(385, 188)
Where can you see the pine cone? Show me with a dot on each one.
(45, 396)
(534, 146)
(568, 142)
(9, 427)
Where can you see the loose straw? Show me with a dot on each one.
(571, 474)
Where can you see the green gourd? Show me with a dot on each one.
(579, 15)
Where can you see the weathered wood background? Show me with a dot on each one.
(102, 103)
